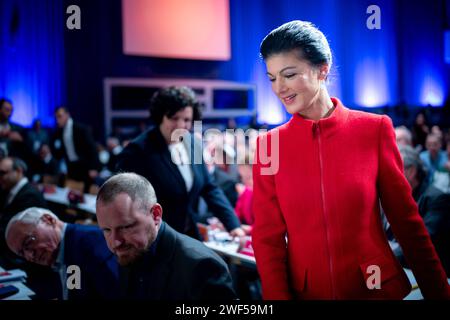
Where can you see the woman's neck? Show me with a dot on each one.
(320, 107)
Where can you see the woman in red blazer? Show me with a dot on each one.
(319, 180)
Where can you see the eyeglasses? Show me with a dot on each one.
(27, 245)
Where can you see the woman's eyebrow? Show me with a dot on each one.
(284, 69)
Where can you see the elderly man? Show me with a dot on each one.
(37, 235)
(158, 263)
(434, 207)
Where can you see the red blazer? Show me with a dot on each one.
(318, 185)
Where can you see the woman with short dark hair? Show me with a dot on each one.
(318, 182)
(169, 163)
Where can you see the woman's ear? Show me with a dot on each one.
(323, 71)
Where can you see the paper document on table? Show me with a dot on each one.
(12, 275)
(23, 294)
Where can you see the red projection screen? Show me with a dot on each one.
(194, 29)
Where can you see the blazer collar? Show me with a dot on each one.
(328, 126)
(192, 149)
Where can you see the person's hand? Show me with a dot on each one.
(93, 174)
(247, 229)
(237, 232)
(240, 188)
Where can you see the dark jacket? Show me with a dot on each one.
(177, 267)
(149, 156)
(434, 207)
(85, 247)
(28, 196)
(84, 144)
(40, 278)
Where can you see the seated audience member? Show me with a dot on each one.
(434, 158)
(223, 173)
(244, 203)
(436, 130)
(38, 236)
(403, 136)
(36, 137)
(17, 193)
(46, 165)
(11, 134)
(157, 262)
(447, 164)
(433, 204)
(420, 130)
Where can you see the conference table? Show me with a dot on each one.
(60, 195)
(230, 251)
(17, 279)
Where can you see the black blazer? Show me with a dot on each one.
(177, 267)
(149, 156)
(434, 207)
(84, 146)
(27, 197)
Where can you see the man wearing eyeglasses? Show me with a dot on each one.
(157, 262)
(38, 236)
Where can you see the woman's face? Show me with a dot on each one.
(420, 119)
(295, 81)
(180, 120)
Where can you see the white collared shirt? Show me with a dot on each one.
(180, 157)
(59, 265)
(68, 141)
(15, 190)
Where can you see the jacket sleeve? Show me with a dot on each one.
(90, 148)
(269, 229)
(406, 223)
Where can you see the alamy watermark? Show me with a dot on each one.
(74, 20)
(74, 277)
(374, 20)
(268, 151)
